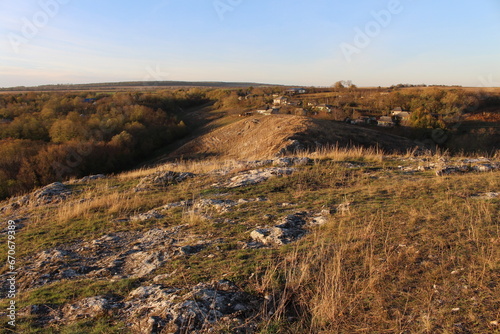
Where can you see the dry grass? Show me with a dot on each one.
(98, 198)
(193, 217)
(112, 204)
(409, 252)
(191, 166)
(426, 262)
(337, 153)
(254, 138)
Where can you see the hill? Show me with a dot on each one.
(269, 136)
(344, 241)
(261, 224)
(133, 85)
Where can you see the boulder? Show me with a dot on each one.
(453, 170)
(156, 309)
(483, 168)
(460, 169)
(289, 162)
(141, 264)
(488, 195)
(190, 250)
(129, 254)
(92, 307)
(218, 205)
(162, 179)
(53, 193)
(86, 179)
(288, 230)
(255, 177)
(150, 215)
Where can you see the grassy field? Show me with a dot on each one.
(414, 253)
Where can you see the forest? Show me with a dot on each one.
(47, 137)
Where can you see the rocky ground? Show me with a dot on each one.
(140, 254)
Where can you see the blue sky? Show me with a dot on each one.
(316, 43)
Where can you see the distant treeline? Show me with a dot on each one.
(128, 84)
(47, 137)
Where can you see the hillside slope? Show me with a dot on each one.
(267, 136)
(350, 241)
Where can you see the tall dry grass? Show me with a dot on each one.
(190, 166)
(104, 198)
(111, 204)
(338, 153)
(326, 284)
(426, 262)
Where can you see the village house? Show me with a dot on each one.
(295, 103)
(246, 114)
(294, 91)
(385, 121)
(280, 101)
(366, 119)
(401, 115)
(325, 107)
(404, 115)
(269, 111)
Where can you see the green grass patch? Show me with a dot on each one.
(59, 293)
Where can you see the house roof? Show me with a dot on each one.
(404, 114)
